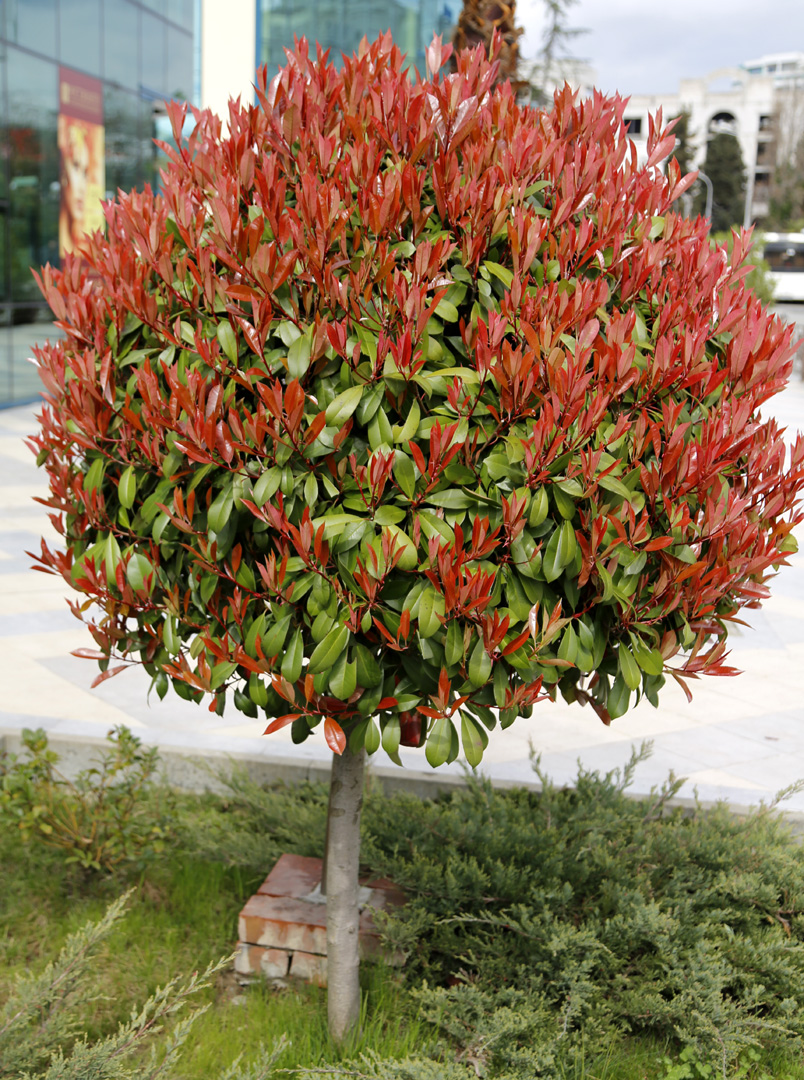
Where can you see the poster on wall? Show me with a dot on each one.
(82, 158)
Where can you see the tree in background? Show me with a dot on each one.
(724, 167)
(553, 64)
(402, 408)
(685, 148)
(787, 193)
(478, 23)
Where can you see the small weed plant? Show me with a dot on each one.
(110, 814)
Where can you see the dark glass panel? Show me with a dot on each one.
(32, 23)
(339, 25)
(152, 53)
(181, 12)
(122, 119)
(150, 155)
(159, 6)
(121, 39)
(80, 35)
(179, 64)
(34, 170)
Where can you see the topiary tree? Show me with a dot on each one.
(403, 408)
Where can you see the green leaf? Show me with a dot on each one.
(500, 684)
(288, 332)
(227, 340)
(405, 474)
(220, 511)
(299, 356)
(500, 272)
(451, 499)
(474, 739)
(391, 734)
(138, 570)
(274, 639)
(94, 474)
(368, 670)
(389, 515)
(127, 487)
(310, 490)
(371, 740)
(341, 408)
(111, 554)
(429, 605)
(407, 431)
(292, 660)
(629, 669)
(447, 311)
(267, 485)
(650, 660)
(327, 651)
(618, 698)
(439, 742)
(479, 665)
(615, 486)
(453, 649)
(560, 551)
(343, 680)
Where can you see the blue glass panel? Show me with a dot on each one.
(80, 35)
(121, 37)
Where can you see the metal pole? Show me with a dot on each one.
(709, 194)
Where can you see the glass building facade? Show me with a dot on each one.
(339, 25)
(82, 84)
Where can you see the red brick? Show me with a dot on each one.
(310, 968)
(293, 875)
(257, 960)
(281, 922)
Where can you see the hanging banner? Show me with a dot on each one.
(81, 157)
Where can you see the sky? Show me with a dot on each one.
(645, 47)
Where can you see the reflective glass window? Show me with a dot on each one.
(80, 35)
(152, 53)
(122, 119)
(181, 12)
(179, 64)
(121, 39)
(339, 25)
(34, 170)
(32, 23)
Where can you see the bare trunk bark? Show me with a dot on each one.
(343, 915)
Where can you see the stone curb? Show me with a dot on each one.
(196, 771)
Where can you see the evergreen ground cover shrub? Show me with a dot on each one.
(564, 933)
(543, 916)
(111, 814)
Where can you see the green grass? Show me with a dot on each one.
(183, 914)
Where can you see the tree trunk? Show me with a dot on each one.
(343, 915)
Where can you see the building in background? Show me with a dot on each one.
(761, 103)
(240, 35)
(82, 91)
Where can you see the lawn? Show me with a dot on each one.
(568, 934)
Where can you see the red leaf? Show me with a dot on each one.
(282, 721)
(517, 643)
(333, 733)
(109, 674)
(387, 703)
(88, 654)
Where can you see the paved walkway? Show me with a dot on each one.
(741, 739)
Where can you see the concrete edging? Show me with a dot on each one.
(195, 771)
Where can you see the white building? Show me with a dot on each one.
(761, 103)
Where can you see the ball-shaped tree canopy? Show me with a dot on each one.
(402, 406)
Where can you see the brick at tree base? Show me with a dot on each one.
(282, 932)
